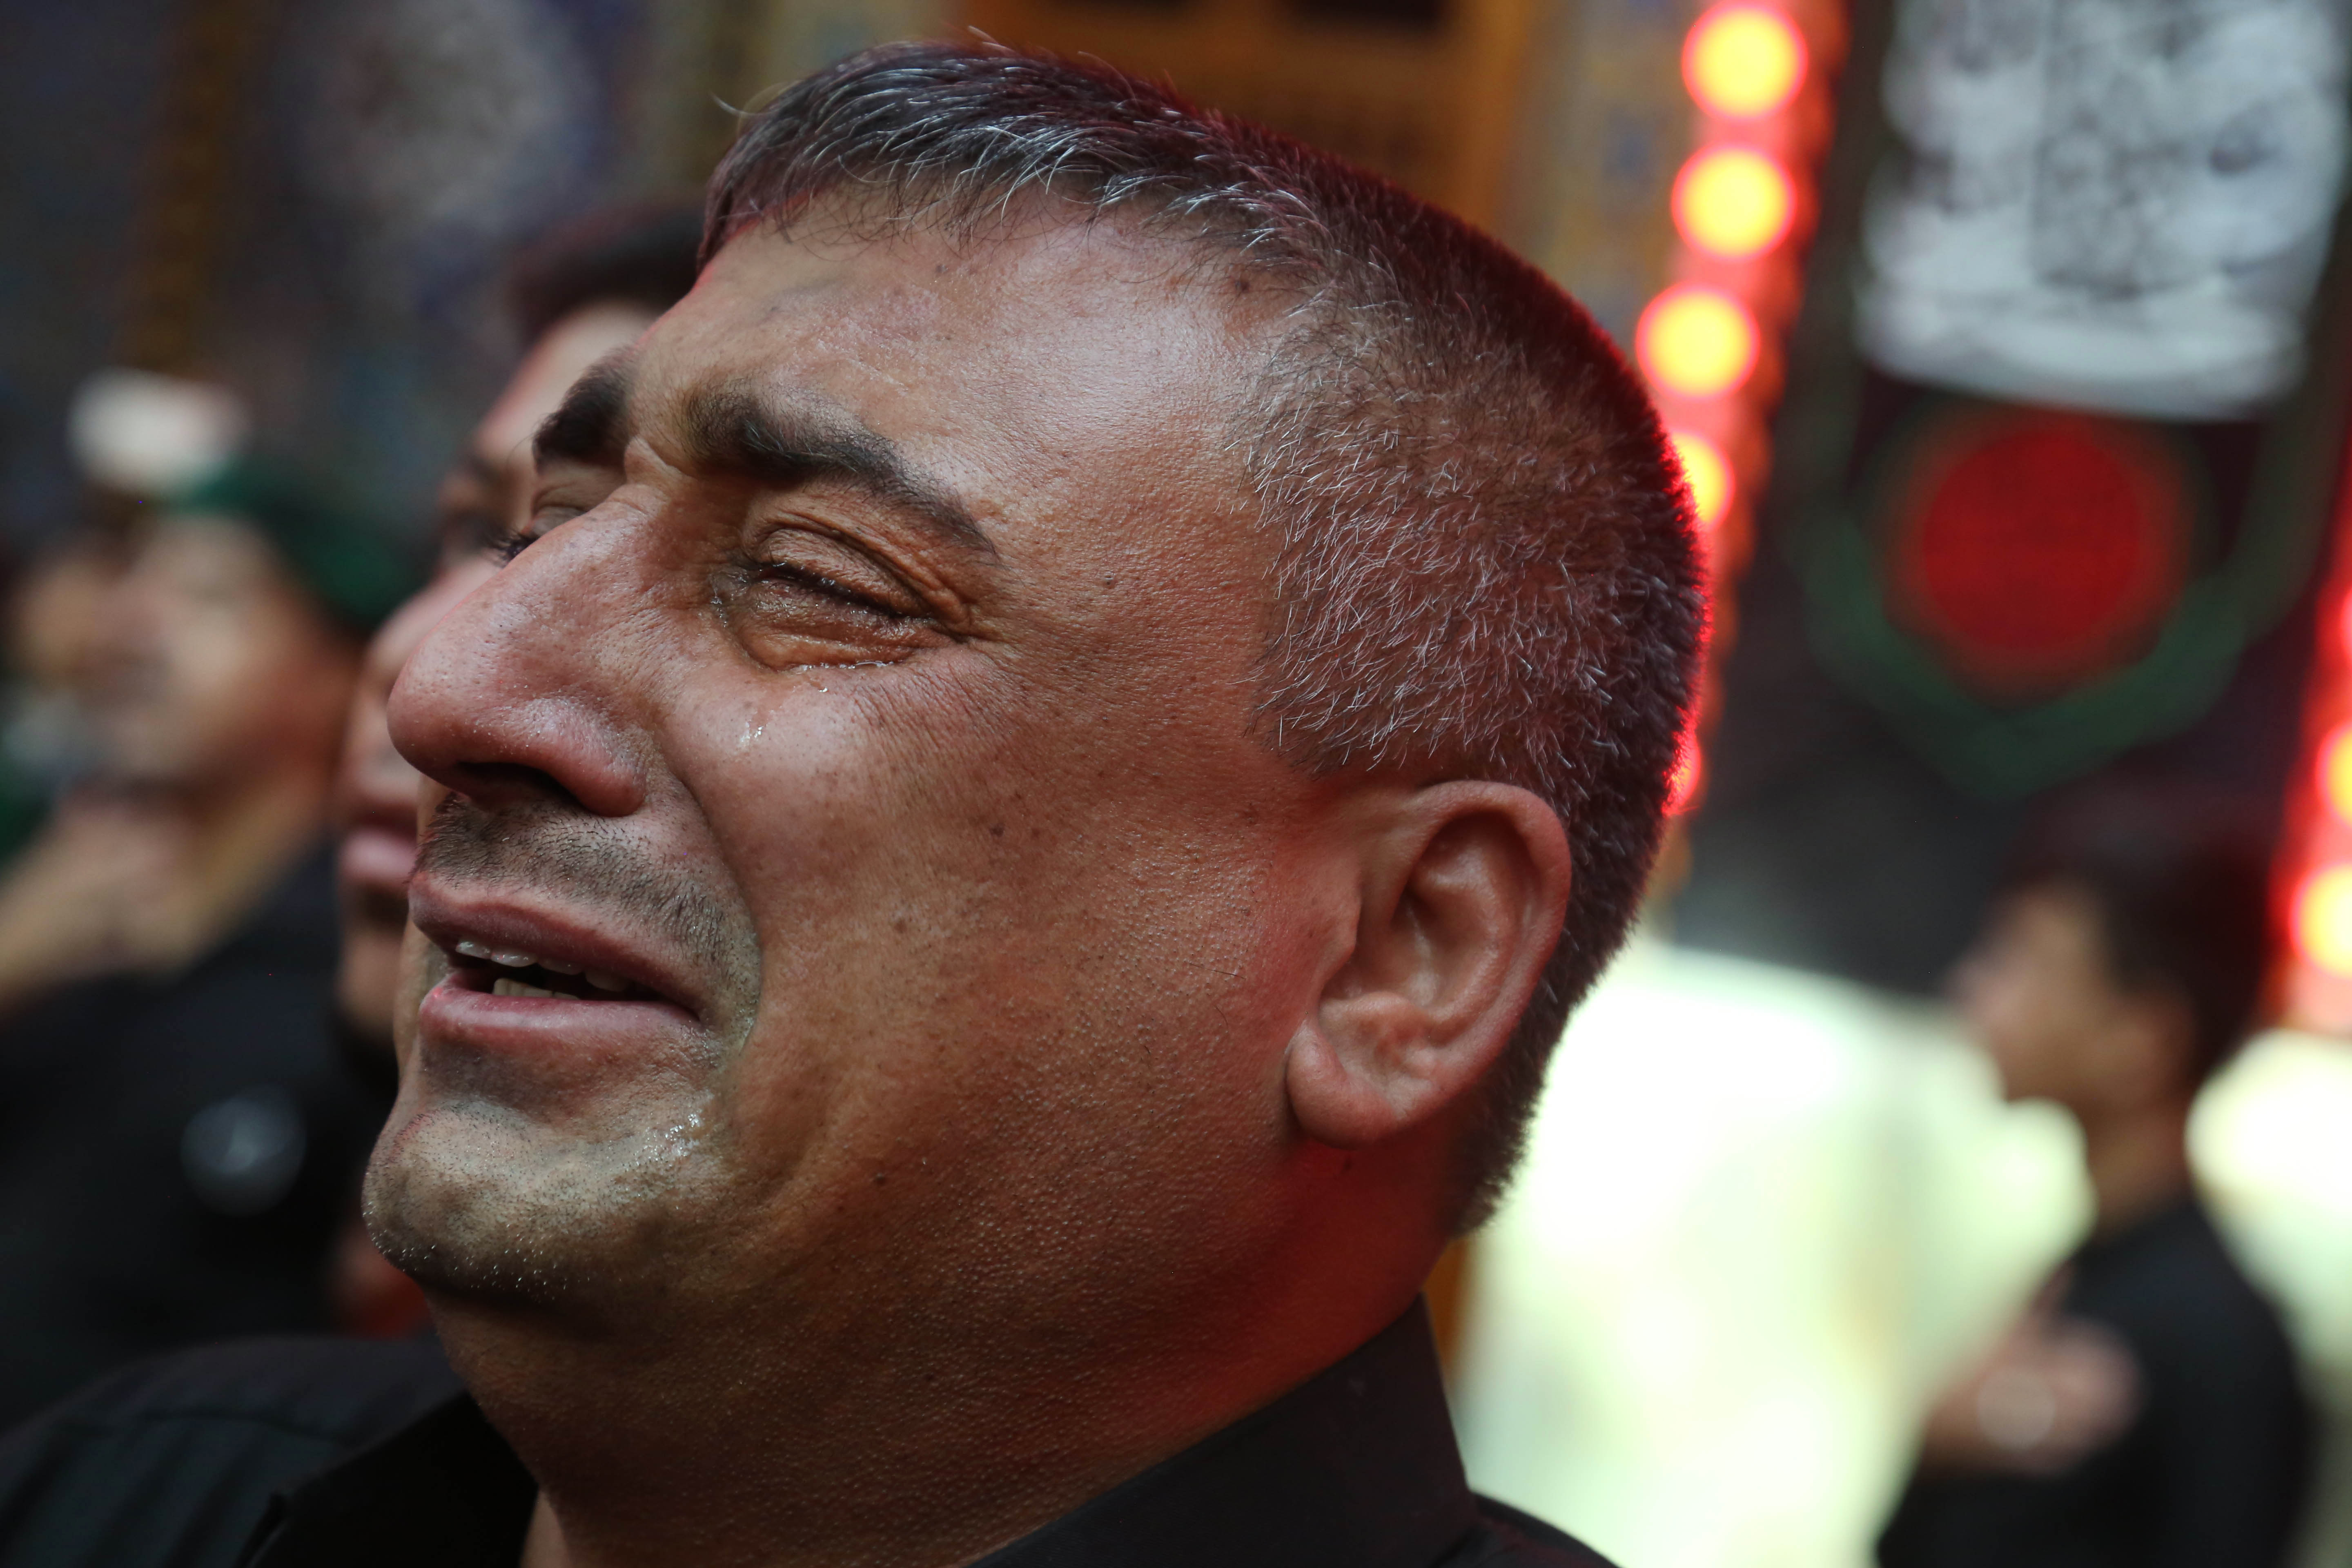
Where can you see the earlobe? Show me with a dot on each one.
(1464, 886)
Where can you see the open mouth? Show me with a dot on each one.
(506, 974)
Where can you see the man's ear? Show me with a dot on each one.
(1464, 887)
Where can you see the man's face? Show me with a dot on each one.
(2040, 995)
(209, 664)
(487, 496)
(874, 713)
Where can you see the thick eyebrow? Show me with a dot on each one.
(731, 426)
(592, 424)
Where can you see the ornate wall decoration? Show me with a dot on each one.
(436, 127)
(2106, 203)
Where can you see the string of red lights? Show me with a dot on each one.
(1709, 342)
(2316, 862)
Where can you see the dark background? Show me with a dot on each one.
(1828, 838)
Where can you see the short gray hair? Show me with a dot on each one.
(1487, 565)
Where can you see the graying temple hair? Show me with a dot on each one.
(1486, 567)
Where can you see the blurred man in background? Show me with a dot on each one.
(2146, 1409)
(176, 1134)
(578, 295)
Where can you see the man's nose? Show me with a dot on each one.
(513, 697)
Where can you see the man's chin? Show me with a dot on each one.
(481, 1206)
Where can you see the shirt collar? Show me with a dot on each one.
(1355, 1469)
(443, 1490)
(1357, 1466)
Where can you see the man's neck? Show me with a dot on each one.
(2138, 1163)
(853, 1455)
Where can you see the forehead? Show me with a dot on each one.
(2058, 921)
(556, 359)
(1004, 357)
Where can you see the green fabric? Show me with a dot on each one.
(353, 566)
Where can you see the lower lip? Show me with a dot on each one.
(455, 1017)
(378, 859)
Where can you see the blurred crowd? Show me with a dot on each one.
(1798, 1272)
(208, 834)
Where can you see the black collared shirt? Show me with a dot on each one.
(354, 1455)
(177, 1154)
(2212, 1470)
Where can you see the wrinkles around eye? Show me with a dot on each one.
(806, 580)
(822, 563)
(802, 593)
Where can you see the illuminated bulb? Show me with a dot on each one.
(1706, 473)
(2336, 772)
(1733, 202)
(2322, 920)
(1743, 60)
(1695, 341)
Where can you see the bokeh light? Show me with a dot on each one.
(1733, 202)
(2323, 918)
(1682, 783)
(2344, 628)
(1709, 475)
(1696, 340)
(2336, 772)
(1743, 60)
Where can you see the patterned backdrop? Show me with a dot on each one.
(313, 203)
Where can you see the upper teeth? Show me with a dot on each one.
(517, 959)
(603, 979)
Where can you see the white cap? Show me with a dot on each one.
(154, 434)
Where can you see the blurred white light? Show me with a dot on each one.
(153, 434)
